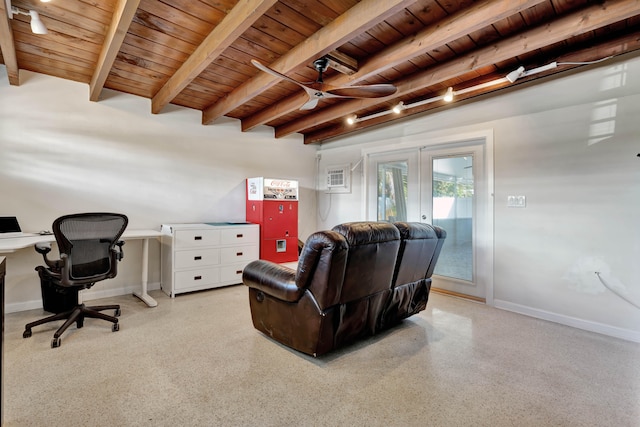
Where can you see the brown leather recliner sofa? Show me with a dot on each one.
(350, 283)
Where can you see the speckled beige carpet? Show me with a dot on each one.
(197, 361)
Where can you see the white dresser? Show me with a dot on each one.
(203, 256)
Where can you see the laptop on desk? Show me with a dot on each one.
(10, 228)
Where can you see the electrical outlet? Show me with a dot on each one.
(516, 201)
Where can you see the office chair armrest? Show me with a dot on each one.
(44, 248)
(120, 254)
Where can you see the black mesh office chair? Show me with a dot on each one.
(90, 249)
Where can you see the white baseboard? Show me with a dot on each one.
(89, 295)
(613, 331)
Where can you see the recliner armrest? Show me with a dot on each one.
(273, 279)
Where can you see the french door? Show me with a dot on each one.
(445, 186)
(455, 197)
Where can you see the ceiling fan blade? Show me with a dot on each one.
(275, 73)
(318, 90)
(369, 91)
(310, 104)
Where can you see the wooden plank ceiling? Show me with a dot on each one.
(198, 54)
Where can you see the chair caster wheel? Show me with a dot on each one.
(117, 313)
(115, 327)
(55, 342)
(26, 333)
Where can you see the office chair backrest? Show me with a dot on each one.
(86, 242)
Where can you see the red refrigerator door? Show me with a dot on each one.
(279, 236)
(280, 219)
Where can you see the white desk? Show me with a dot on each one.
(9, 245)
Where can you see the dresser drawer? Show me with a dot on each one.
(230, 274)
(239, 254)
(197, 278)
(200, 256)
(196, 238)
(197, 258)
(241, 235)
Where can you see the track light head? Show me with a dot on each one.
(515, 74)
(37, 26)
(448, 97)
(352, 119)
(398, 107)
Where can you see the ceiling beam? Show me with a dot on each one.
(341, 62)
(122, 17)
(585, 20)
(356, 20)
(618, 46)
(453, 27)
(8, 46)
(241, 18)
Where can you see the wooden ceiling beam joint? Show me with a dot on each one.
(237, 21)
(8, 47)
(122, 17)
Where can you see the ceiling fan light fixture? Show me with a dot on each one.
(448, 97)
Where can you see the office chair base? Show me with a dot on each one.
(77, 316)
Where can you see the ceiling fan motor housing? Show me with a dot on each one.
(321, 64)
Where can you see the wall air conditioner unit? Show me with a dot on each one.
(338, 179)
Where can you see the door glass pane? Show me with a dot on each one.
(453, 210)
(392, 191)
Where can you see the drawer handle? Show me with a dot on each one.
(238, 271)
(239, 236)
(197, 238)
(197, 277)
(197, 258)
(238, 253)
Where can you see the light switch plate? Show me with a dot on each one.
(516, 201)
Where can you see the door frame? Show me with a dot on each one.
(422, 141)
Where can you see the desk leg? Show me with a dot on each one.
(143, 295)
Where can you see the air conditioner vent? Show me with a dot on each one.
(337, 179)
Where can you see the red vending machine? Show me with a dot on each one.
(273, 203)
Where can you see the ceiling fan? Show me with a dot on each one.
(318, 90)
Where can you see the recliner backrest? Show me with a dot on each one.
(321, 266)
(373, 249)
(419, 250)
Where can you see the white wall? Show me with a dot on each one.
(61, 153)
(570, 146)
